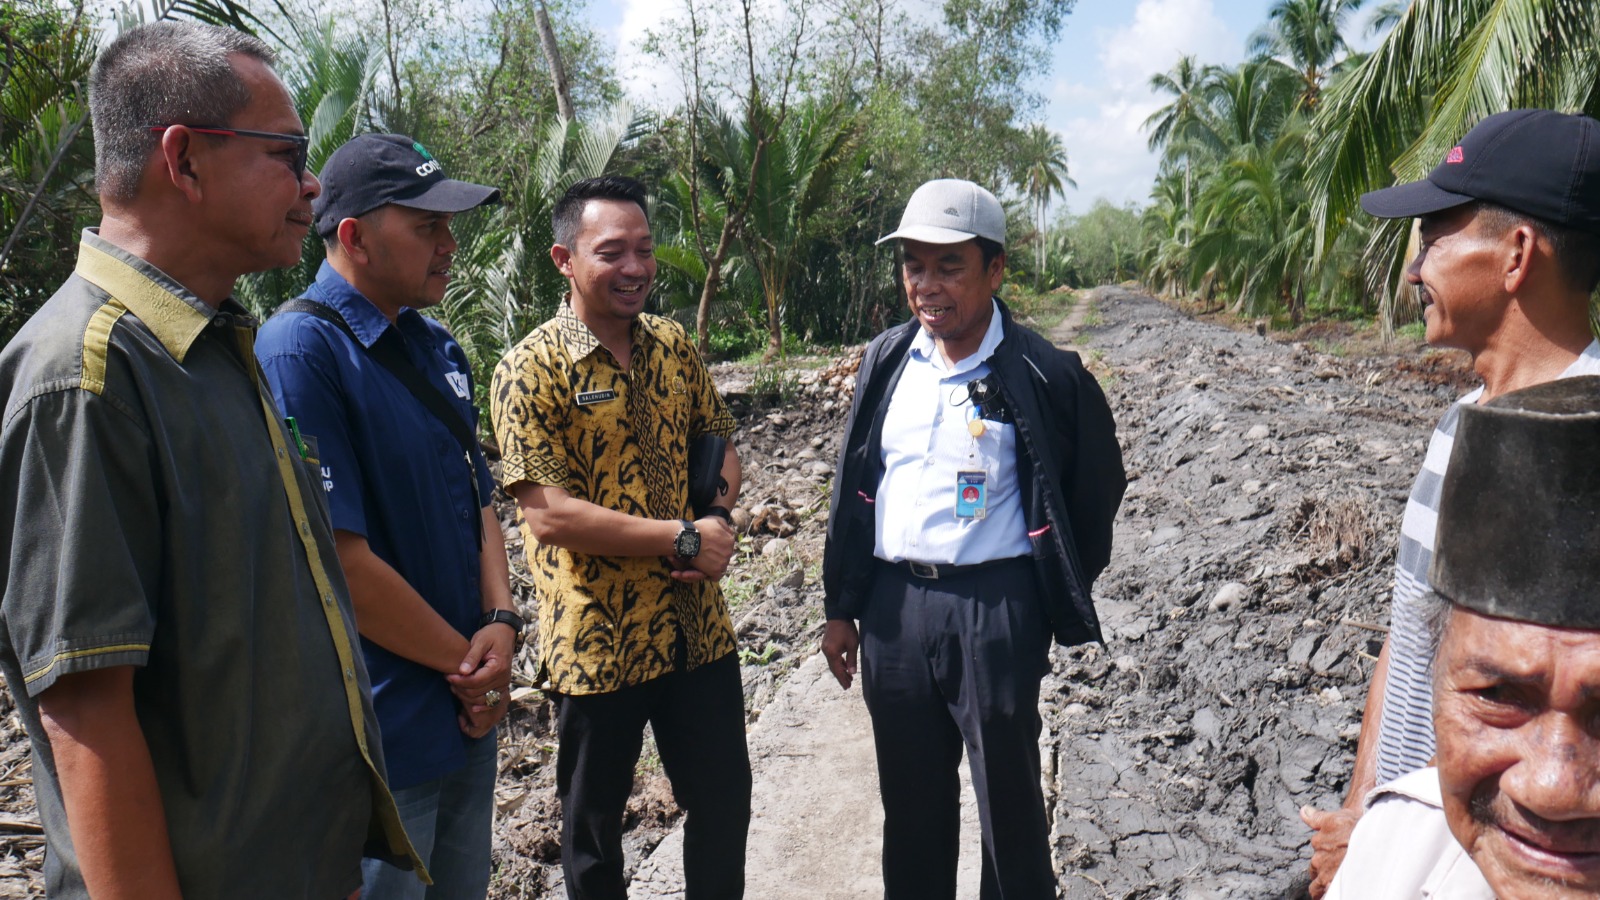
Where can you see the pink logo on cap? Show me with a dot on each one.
(1455, 156)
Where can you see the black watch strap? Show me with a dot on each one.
(689, 535)
(502, 615)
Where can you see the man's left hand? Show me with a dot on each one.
(478, 724)
(840, 642)
(486, 667)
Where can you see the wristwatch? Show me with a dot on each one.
(686, 545)
(506, 617)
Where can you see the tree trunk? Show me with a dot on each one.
(702, 319)
(774, 327)
(552, 55)
(388, 47)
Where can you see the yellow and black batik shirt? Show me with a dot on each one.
(568, 415)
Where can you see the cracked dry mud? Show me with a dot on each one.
(1243, 601)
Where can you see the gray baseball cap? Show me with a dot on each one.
(949, 211)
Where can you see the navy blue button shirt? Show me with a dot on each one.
(395, 475)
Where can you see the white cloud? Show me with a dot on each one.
(646, 78)
(1161, 31)
(1100, 122)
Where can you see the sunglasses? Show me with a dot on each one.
(302, 143)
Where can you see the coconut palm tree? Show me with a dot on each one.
(1253, 224)
(1042, 174)
(1309, 35)
(46, 157)
(1445, 65)
(1181, 127)
(788, 183)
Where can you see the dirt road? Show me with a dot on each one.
(1249, 580)
(1252, 565)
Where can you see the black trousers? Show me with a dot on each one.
(698, 721)
(949, 663)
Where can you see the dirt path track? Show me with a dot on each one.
(1267, 482)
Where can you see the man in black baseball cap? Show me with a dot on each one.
(1510, 251)
(382, 398)
(374, 170)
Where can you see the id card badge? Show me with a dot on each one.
(972, 494)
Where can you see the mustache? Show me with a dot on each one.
(1581, 836)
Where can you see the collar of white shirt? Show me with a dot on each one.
(923, 347)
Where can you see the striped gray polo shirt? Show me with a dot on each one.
(1405, 736)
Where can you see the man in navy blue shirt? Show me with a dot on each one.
(371, 386)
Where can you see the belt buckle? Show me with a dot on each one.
(924, 570)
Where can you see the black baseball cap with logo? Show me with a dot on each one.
(373, 170)
(1536, 162)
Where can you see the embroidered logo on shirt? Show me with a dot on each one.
(458, 380)
(588, 397)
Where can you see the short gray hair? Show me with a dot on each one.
(164, 73)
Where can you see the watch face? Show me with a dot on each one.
(688, 544)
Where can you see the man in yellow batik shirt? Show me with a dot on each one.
(595, 412)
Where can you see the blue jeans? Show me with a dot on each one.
(448, 820)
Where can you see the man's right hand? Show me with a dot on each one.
(1330, 838)
(840, 641)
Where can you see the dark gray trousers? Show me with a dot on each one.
(698, 721)
(949, 663)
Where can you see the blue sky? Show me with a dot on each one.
(1096, 94)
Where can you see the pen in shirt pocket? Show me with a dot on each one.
(299, 443)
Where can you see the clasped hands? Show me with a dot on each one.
(716, 549)
(485, 668)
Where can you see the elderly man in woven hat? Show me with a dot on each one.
(1510, 229)
(971, 514)
(1513, 808)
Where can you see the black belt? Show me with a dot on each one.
(936, 571)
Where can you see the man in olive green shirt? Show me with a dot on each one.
(173, 625)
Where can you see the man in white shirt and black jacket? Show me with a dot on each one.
(972, 511)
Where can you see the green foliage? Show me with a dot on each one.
(46, 155)
(731, 343)
(1444, 65)
(1232, 216)
(774, 384)
(1103, 245)
(833, 115)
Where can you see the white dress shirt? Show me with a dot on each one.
(926, 443)
(1402, 848)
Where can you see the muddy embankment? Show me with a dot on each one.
(1242, 607)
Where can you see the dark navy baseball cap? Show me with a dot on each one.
(1536, 162)
(373, 170)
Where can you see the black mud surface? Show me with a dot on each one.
(1251, 573)
(1242, 608)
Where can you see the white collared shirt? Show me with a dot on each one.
(1402, 848)
(926, 443)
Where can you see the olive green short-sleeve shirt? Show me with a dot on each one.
(567, 415)
(156, 523)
